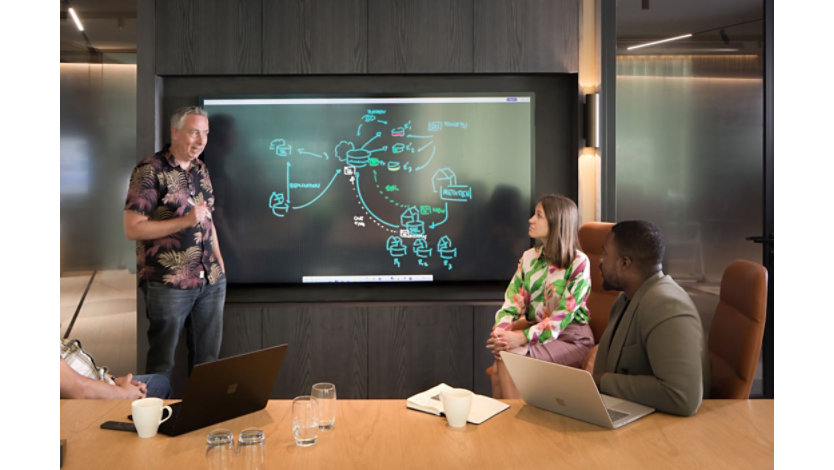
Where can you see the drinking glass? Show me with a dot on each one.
(251, 451)
(305, 425)
(220, 449)
(326, 395)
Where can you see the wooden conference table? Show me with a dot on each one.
(385, 434)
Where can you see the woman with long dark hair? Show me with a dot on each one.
(544, 313)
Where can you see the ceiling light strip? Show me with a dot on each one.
(75, 18)
(659, 42)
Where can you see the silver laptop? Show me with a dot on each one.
(569, 391)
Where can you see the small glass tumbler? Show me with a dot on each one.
(220, 449)
(251, 449)
(326, 395)
(305, 425)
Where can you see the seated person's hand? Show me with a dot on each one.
(511, 339)
(494, 344)
(505, 340)
(131, 389)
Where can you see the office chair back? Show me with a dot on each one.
(591, 238)
(735, 336)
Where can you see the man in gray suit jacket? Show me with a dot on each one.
(653, 350)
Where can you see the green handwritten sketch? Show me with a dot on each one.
(407, 179)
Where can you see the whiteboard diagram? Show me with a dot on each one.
(368, 161)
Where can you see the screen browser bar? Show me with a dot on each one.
(368, 278)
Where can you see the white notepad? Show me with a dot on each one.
(482, 409)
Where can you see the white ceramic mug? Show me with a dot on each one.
(147, 415)
(456, 405)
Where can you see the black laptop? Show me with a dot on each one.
(225, 389)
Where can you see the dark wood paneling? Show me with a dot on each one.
(242, 325)
(326, 344)
(322, 36)
(196, 37)
(429, 36)
(483, 318)
(526, 36)
(414, 348)
(147, 85)
(368, 352)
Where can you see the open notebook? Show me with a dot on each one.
(482, 409)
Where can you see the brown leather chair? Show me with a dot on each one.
(591, 238)
(735, 336)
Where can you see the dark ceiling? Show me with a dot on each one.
(740, 20)
(110, 25)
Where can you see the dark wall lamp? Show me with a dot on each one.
(592, 132)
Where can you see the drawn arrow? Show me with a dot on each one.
(288, 183)
(321, 193)
(378, 134)
(445, 218)
(434, 149)
(302, 152)
(359, 192)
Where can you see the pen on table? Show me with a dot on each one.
(191, 201)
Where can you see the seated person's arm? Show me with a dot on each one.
(675, 383)
(75, 385)
(511, 316)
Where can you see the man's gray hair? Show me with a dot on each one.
(180, 114)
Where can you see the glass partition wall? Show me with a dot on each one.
(689, 152)
(98, 151)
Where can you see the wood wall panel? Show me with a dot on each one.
(368, 352)
(526, 36)
(416, 347)
(326, 344)
(212, 37)
(483, 317)
(429, 36)
(242, 325)
(312, 37)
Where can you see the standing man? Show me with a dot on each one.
(652, 351)
(181, 271)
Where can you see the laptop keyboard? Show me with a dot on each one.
(615, 415)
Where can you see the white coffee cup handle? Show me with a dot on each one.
(170, 412)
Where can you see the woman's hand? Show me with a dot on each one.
(495, 345)
(503, 340)
(512, 339)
